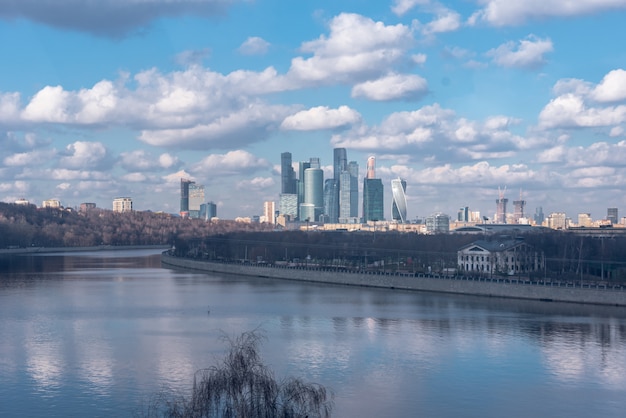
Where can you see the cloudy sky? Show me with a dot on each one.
(460, 98)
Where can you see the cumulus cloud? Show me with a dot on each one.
(321, 117)
(392, 87)
(238, 161)
(35, 157)
(357, 48)
(400, 7)
(111, 18)
(141, 160)
(83, 154)
(506, 12)
(254, 46)
(438, 134)
(599, 154)
(612, 88)
(256, 183)
(528, 53)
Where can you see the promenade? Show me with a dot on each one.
(479, 286)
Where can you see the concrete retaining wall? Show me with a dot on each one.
(481, 287)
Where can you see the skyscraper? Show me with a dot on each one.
(340, 165)
(353, 169)
(519, 206)
(314, 192)
(463, 215)
(303, 166)
(501, 207)
(398, 204)
(287, 174)
(196, 198)
(373, 194)
(611, 215)
(340, 162)
(184, 197)
(331, 197)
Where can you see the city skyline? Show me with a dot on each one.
(457, 98)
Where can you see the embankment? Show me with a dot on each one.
(492, 287)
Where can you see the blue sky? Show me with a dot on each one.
(460, 98)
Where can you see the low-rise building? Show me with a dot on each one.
(500, 257)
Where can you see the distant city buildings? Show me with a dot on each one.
(208, 211)
(373, 194)
(501, 207)
(122, 204)
(269, 213)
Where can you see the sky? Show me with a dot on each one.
(466, 100)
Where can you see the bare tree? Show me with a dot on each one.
(243, 387)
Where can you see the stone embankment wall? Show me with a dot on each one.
(504, 288)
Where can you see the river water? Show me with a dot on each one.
(94, 334)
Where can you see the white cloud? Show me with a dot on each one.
(527, 53)
(400, 7)
(31, 158)
(238, 161)
(507, 12)
(141, 160)
(570, 111)
(254, 46)
(438, 134)
(256, 184)
(357, 48)
(392, 87)
(82, 154)
(612, 88)
(321, 117)
(114, 18)
(599, 154)
(446, 20)
(9, 107)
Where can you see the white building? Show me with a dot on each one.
(122, 204)
(499, 257)
(269, 212)
(51, 203)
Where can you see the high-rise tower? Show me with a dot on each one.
(287, 174)
(184, 197)
(398, 204)
(501, 206)
(373, 194)
(519, 206)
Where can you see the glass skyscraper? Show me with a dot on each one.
(314, 192)
(287, 174)
(398, 203)
(373, 200)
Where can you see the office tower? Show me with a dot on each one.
(373, 200)
(398, 201)
(611, 215)
(196, 198)
(314, 162)
(519, 208)
(373, 195)
(340, 165)
(501, 207)
(345, 195)
(269, 212)
(371, 168)
(287, 174)
(288, 206)
(184, 197)
(353, 169)
(122, 204)
(463, 215)
(313, 192)
(539, 216)
(208, 211)
(331, 197)
(303, 166)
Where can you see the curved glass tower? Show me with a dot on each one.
(398, 203)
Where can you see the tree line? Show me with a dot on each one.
(26, 226)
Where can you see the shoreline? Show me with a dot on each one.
(45, 250)
(491, 287)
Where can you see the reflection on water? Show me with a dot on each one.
(92, 334)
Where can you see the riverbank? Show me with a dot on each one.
(491, 287)
(44, 250)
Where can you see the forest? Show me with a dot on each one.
(24, 226)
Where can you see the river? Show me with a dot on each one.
(94, 334)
